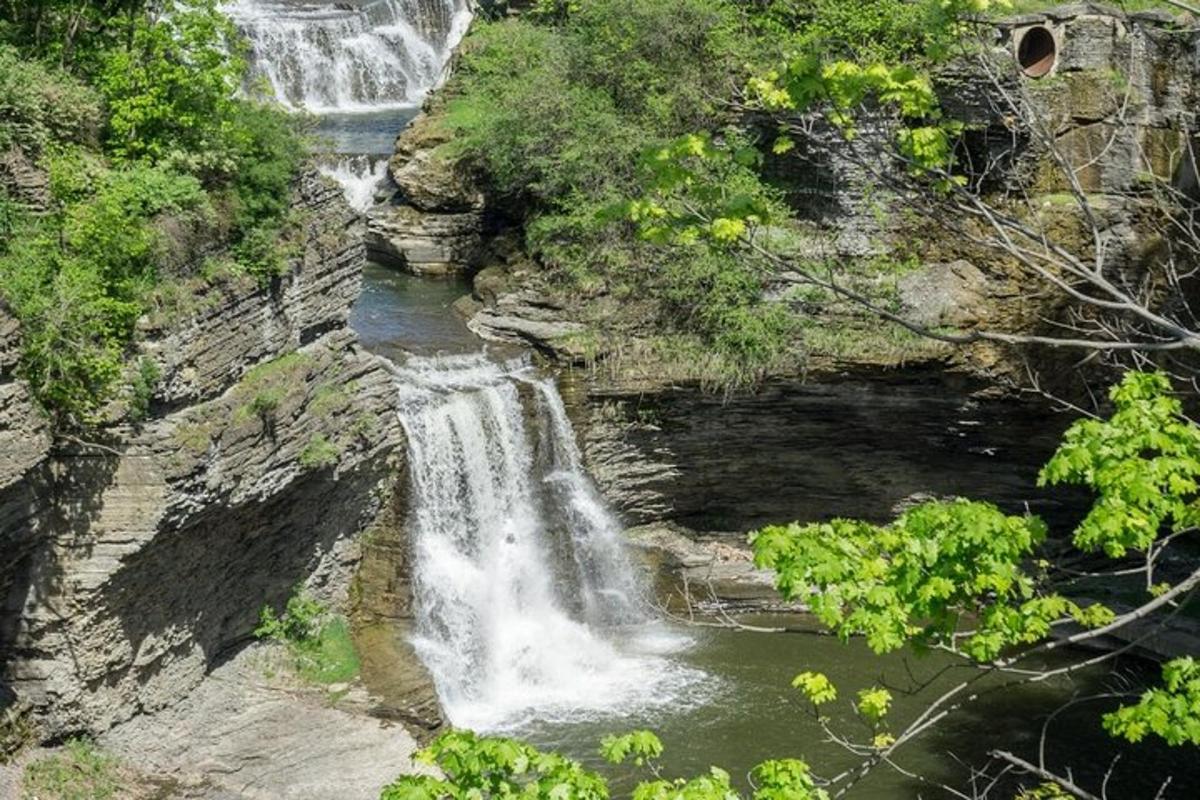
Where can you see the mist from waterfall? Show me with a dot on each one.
(527, 604)
(350, 57)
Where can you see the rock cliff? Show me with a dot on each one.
(138, 559)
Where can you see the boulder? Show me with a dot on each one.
(953, 294)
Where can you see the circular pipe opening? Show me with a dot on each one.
(1037, 52)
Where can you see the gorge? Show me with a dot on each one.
(531, 525)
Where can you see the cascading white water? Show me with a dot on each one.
(359, 176)
(350, 56)
(519, 569)
(373, 59)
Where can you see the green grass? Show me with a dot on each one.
(329, 657)
(317, 640)
(319, 453)
(79, 772)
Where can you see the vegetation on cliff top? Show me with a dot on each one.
(157, 170)
(599, 87)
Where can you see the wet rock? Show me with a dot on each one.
(705, 573)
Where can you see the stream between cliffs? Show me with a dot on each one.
(531, 615)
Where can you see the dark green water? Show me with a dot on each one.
(399, 313)
(754, 715)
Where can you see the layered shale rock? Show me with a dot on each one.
(435, 224)
(138, 557)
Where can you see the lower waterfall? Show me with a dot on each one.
(523, 586)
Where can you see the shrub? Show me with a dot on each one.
(40, 105)
(319, 453)
(318, 642)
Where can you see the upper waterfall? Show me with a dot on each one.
(519, 568)
(346, 57)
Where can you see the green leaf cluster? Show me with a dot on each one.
(479, 768)
(966, 576)
(1171, 712)
(915, 579)
(641, 746)
(482, 768)
(1143, 462)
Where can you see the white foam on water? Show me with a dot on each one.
(528, 607)
(359, 177)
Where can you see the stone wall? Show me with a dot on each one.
(851, 446)
(1120, 101)
(136, 561)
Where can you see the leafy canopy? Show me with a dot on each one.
(946, 565)
(482, 768)
(154, 164)
(1143, 462)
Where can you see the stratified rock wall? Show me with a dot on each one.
(842, 447)
(136, 562)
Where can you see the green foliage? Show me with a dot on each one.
(145, 381)
(1143, 462)
(816, 687)
(300, 622)
(642, 746)
(873, 704)
(319, 642)
(186, 159)
(915, 578)
(79, 772)
(319, 452)
(40, 105)
(786, 779)
(75, 278)
(603, 82)
(481, 768)
(1171, 712)
(170, 91)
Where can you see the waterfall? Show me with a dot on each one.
(521, 577)
(372, 59)
(350, 56)
(359, 176)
